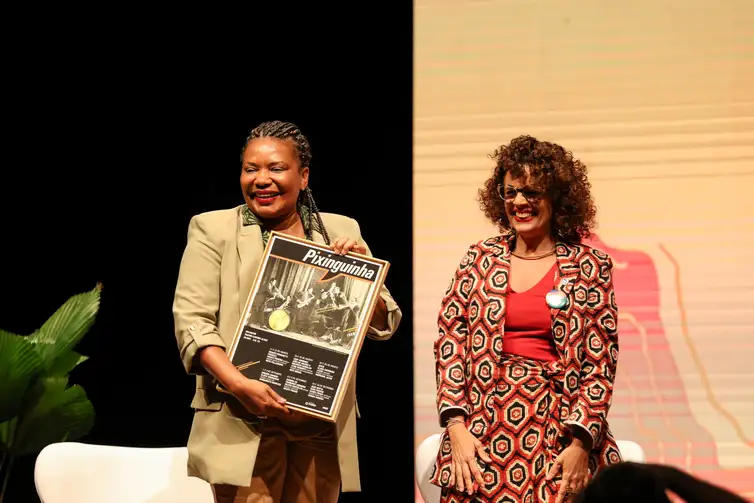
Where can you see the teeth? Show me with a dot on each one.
(523, 215)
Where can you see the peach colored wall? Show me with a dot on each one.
(657, 98)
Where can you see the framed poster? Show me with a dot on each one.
(305, 321)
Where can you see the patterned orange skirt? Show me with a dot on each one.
(525, 436)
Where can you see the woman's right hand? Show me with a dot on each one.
(259, 399)
(465, 447)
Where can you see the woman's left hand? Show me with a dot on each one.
(574, 462)
(343, 245)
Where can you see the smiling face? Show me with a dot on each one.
(529, 211)
(271, 177)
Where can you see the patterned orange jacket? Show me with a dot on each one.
(472, 327)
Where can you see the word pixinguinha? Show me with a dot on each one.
(337, 266)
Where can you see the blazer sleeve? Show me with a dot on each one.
(394, 313)
(197, 296)
(600, 356)
(450, 345)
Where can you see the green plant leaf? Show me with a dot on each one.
(7, 429)
(19, 365)
(65, 363)
(65, 328)
(53, 413)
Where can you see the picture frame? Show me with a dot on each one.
(305, 320)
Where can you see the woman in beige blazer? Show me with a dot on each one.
(250, 446)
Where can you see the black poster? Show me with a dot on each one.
(304, 375)
(305, 321)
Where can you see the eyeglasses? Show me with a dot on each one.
(509, 193)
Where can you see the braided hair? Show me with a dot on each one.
(289, 131)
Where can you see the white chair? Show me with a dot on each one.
(428, 449)
(426, 455)
(631, 451)
(71, 472)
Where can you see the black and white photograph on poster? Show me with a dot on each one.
(305, 321)
(295, 302)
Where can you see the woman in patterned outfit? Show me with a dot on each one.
(528, 343)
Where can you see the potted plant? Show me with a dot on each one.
(37, 406)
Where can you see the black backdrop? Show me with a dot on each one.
(117, 133)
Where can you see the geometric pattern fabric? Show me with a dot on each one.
(519, 409)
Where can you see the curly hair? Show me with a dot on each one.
(551, 169)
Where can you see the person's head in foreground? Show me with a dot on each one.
(651, 483)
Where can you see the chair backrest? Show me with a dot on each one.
(427, 451)
(71, 472)
(426, 454)
(631, 451)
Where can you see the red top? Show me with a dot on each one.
(528, 329)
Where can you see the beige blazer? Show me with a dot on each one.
(217, 271)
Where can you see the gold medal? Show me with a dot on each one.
(279, 320)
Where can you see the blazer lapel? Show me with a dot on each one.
(497, 273)
(565, 275)
(250, 248)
